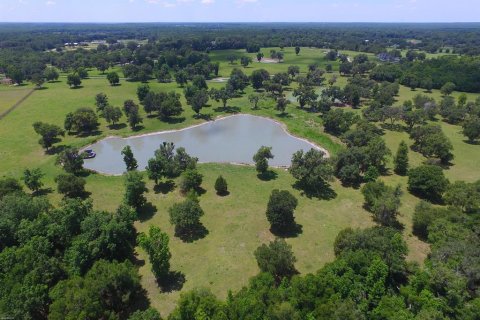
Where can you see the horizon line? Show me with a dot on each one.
(242, 22)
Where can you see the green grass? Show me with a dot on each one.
(224, 259)
(9, 95)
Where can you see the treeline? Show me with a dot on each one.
(429, 74)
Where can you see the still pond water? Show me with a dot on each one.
(232, 139)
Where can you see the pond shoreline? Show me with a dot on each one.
(218, 118)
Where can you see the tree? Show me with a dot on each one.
(221, 186)
(258, 77)
(312, 171)
(101, 102)
(471, 128)
(49, 134)
(70, 160)
(427, 181)
(70, 185)
(190, 179)
(199, 100)
(255, 99)
(199, 82)
(276, 258)
(156, 246)
(163, 74)
(73, 80)
(181, 77)
(431, 142)
(260, 56)
(112, 114)
(185, 216)
(261, 159)
(293, 71)
(148, 314)
(170, 106)
(401, 159)
(238, 80)
(447, 88)
(135, 188)
(245, 61)
(132, 113)
(51, 74)
(383, 202)
(38, 80)
(338, 121)
(282, 104)
(109, 290)
(142, 91)
(82, 73)
(129, 159)
(297, 50)
(305, 95)
(465, 196)
(32, 179)
(223, 94)
(9, 186)
(16, 74)
(113, 78)
(82, 120)
(280, 209)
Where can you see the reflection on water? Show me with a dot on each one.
(234, 139)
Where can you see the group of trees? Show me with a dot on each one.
(65, 262)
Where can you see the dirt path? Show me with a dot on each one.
(18, 103)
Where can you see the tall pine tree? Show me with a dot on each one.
(401, 159)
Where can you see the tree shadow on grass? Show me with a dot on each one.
(89, 133)
(473, 143)
(146, 212)
(393, 127)
(292, 232)
(164, 187)
(138, 128)
(42, 192)
(172, 282)
(268, 175)
(206, 117)
(76, 88)
(223, 194)
(228, 109)
(117, 126)
(325, 192)
(284, 115)
(56, 149)
(175, 120)
(192, 234)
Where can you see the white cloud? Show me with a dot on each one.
(50, 3)
(207, 2)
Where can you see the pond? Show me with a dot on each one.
(233, 139)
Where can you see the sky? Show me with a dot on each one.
(239, 11)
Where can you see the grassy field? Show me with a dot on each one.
(9, 95)
(236, 224)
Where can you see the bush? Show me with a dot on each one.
(221, 186)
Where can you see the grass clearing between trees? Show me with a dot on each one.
(236, 223)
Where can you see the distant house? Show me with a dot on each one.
(6, 81)
(387, 57)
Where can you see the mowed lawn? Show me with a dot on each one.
(236, 224)
(9, 95)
